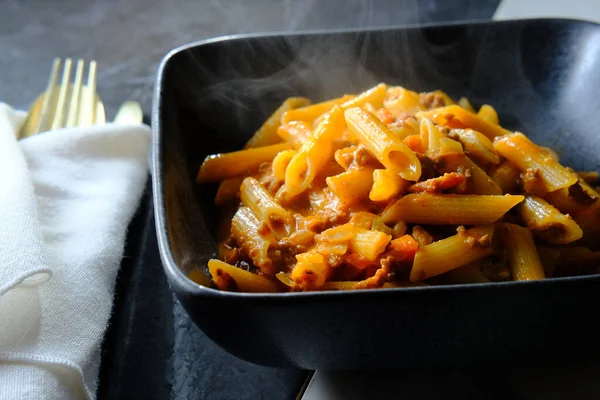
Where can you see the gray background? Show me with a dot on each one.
(128, 38)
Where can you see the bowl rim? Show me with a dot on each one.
(178, 277)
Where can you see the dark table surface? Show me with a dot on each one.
(152, 349)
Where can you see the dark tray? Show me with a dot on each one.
(152, 350)
(541, 75)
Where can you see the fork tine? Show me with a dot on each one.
(75, 95)
(62, 96)
(88, 116)
(48, 98)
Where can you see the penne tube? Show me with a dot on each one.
(345, 156)
(230, 278)
(591, 178)
(369, 244)
(256, 198)
(386, 185)
(295, 133)
(577, 198)
(550, 153)
(466, 247)
(310, 113)
(374, 97)
(311, 271)
(476, 182)
(589, 222)
(507, 177)
(544, 174)
(488, 114)
(314, 154)
(228, 190)
(399, 100)
(437, 145)
(547, 222)
(444, 96)
(466, 104)
(267, 133)
(218, 167)
(476, 145)
(450, 209)
(457, 117)
(281, 162)
(382, 144)
(468, 274)
(549, 257)
(399, 229)
(351, 186)
(523, 258)
(253, 240)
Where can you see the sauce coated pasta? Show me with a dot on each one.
(392, 188)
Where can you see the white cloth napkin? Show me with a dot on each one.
(66, 199)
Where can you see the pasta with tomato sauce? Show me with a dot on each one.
(393, 188)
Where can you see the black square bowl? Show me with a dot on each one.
(543, 77)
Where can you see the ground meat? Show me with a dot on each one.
(532, 181)
(380, 277)
(439, 184)
(431, 100)
(421, 236)
(428, 169)
(581, 196)
(496, 269)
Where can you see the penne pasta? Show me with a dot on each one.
(466, 247)
(233, 279)
(310, 113)
(295, 133)
(368, 243)
(544, 174)
(311, 271)
(351, 186)
(374, 97)
(523, 258)
(466, 104)
(591, 178)
(468, 274)
(256, 198)
(380, 142)
(222, 166)
(254, 241)
(488, 114)
(476, 180)
(386, 185)
(281, 162)
(507, 177)
(314, 154)
(228, 190)
(476, 145)
(392, 187)
(450, 209)
(576, 198)
(547, 222)
(457, 117)
(267, 133)
(436, 144)
(549, 257)
(399, 100)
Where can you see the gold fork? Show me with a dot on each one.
(68, 104)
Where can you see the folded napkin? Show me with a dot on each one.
(66, 199)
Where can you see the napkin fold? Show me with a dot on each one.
(66, 199)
